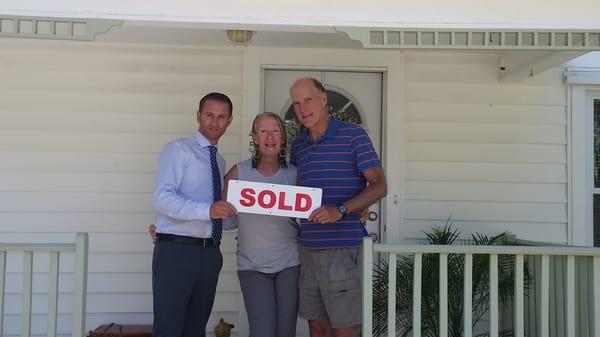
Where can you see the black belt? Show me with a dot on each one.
(187, 240)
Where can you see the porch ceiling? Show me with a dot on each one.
(515, 62)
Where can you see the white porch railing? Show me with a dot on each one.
(80, 248)
(493, 252)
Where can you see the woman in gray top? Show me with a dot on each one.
(267, 254)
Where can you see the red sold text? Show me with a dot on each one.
(269, 199)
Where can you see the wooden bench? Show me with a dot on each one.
(124, 330)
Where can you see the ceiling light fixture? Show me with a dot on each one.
(239, 36)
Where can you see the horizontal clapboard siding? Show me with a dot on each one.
(493, 192)
(487, 172)
(481, 113)
(83, 124)
(90, 142)
(489, 156)
(83, 161)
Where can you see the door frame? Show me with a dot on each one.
(256, 60)
(580, 162)
(390, 63)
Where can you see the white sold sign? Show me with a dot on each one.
(273, 199)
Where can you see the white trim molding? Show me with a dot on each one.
(581, 177)
(54, 28)
(583, 75)
(478, 39)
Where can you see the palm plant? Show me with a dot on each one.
(430, 286)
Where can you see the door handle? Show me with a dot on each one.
(372, 216)
(373, 236)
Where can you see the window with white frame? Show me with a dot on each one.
(596, 111)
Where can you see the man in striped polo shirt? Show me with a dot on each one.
(339, 158)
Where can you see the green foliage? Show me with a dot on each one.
(430, 286)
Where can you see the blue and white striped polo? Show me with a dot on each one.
(334, 163)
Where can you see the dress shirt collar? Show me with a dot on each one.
(199, 137)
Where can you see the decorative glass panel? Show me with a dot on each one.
(339, 106)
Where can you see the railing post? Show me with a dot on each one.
(27, 293)
(545, 297)
(53, 293)
(493, 295)
(80, 291)
(2, 278)
(468, 296)
(519, 296)
(570, 296)
(443, 295)
(417, 281)
(367, 287)
(596, 296)
(392, 295)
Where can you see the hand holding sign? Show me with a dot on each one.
(325, 214)
(273, 199)
(221, 210)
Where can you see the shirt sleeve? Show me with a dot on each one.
(231, 223)
(167, 199)
(364, 152)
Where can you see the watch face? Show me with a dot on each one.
(343, 209)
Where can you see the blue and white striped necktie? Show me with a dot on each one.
(217, 231)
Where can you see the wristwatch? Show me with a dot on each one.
(342, 208)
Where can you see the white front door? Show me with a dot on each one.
(355, 96)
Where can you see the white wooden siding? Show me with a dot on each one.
(82, 126)
(490, 155)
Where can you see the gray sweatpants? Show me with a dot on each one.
(271, 301)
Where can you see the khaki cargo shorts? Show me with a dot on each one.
(330, 286)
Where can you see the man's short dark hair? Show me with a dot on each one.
(216, 96)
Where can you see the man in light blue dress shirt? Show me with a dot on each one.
(187, 259)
